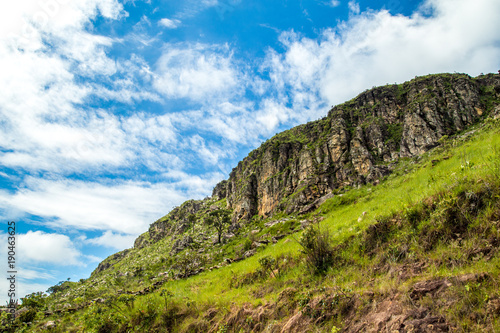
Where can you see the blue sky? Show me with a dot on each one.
(113, 112)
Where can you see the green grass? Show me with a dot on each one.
(460, 166)
(389, 197)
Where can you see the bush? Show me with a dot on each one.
(269, 266)
(35, 301)
(317, 248)
(28, 316)
(188, 264)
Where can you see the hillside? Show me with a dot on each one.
(384, 215)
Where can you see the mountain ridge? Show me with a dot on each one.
(357, 142)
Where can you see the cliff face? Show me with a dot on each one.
(356, 142)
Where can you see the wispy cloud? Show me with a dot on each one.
(334, 3)
(126, 207)
(192, 7)
(353, 7)
(45, 79)
(169, 23)
(113, 240)
(30, 274)
(268, 26)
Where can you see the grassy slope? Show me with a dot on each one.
(366, 262)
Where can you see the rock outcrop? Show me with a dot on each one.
(356, 142)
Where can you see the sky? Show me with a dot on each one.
(114, 112)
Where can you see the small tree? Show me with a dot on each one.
(219, 219)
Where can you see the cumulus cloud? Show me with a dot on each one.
(41, 247)
(43, 129)
(375, 48)
(196, 72)
(48, 77)
(42, 123)
(28, 20)
(272, 115)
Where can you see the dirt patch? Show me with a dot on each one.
(421, 289)
(296, 324)
(393, 315)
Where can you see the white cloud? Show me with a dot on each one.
(91, 259)
(30, 274)
(23, 288)
(48, 76)
(42, 125)
(114, 240)
(170, 24)
(127, 207)
(38, 144)
(43, 129)
(375, 48)
(28, 279)
(334, 3)
(353, 7)
(27, 19)
(40, 247)
(191, 8)
(197, 72)
(272, 115)
(195, 186)
(207, 152)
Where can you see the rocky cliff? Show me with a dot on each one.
(356, 142)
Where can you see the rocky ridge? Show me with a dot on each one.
(357, 142)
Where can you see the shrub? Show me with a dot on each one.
(188, 264)
(269, 265)
(35, 301)
(28, 316)
(377, 234)
(247, 244)
(317, 248)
